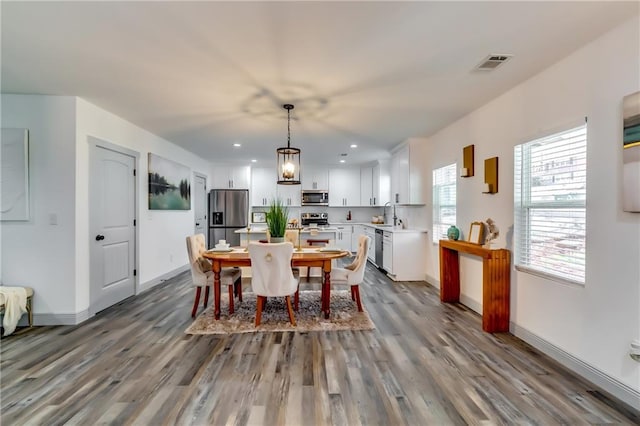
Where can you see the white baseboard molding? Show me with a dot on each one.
(162, 278)
(55, 319)
(471, 304)
(611, 385)
(434, 281)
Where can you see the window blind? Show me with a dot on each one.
(444, 200)
(550, 205)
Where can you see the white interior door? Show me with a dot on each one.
(112, 216)
(200, 205)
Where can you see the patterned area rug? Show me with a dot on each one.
(344, 315)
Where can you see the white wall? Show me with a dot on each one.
(593, 324)
(54, 259)
(36, 253)
(162, 246)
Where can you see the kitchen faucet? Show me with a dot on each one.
(384, 213)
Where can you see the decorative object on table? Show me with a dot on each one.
(15, 174)
(258, 217)
(169, 184)
(467, 161)
(491, 233)
(277, 217)
(288, 170)
(490, 176)
(344, 315)
(631, 153)
(453, 233)
(476, 232)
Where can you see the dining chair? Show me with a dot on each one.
(202, 275)
(353, 274)
(272, 275)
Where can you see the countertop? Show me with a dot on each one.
(263, 230)
(388, 228)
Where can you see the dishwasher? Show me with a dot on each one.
(379, 237)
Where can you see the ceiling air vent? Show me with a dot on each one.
(492, 62)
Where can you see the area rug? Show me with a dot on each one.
(344, 315)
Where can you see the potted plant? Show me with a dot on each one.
(277, 217)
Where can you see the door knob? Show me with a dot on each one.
(99, 237)
(197, 224)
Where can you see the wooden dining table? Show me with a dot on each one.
(309, 257)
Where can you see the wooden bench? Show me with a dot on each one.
(29, 305)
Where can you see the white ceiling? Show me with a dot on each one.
(205, 75)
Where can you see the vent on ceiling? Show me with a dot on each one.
(492, 62)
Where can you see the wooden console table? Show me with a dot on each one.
(496, 281)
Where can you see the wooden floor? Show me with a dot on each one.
(425, 364)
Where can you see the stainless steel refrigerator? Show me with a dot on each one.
(228, 211)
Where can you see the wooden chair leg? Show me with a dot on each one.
(356, 291)
(259, 310)
(308, 272)
(296, 299)
(290, 310)
(353, 294)
(239, 288)
(195, 304)
(30, 310)
(231, 307)
(206, 296)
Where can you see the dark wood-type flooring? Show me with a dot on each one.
(425, 364)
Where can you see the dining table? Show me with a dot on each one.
(307, 256)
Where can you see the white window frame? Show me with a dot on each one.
(448, 174)
(553, 244)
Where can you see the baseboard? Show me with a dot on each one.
(434, 281)
(55, 319)
(611, 385)
(471, 304)
(162, 278)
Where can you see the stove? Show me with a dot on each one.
(321, 219)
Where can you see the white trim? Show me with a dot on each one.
(162, 278)
(56, 319)
(599, 378)
(471, 304)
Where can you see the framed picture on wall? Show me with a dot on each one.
(169, 184)
(631, 152)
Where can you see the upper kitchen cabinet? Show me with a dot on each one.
(315, 177)
(374, 184)
(344, 187)
(289, 195)
(406, 175)
(263, 186)
(230, 177)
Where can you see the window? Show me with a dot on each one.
(444, 200)
(550, 198)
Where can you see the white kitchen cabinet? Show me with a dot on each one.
(344, 187)
(289, 195)
(358, 230)
(315, 177)
(230, 177)
(371, 233)
(343, 236)
(263, 186)
(374, 185)
(406, 176)
(387, 252)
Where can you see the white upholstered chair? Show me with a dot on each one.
(202, 275)
(353, 274)
(272, 275)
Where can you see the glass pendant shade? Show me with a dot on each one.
(288, 158)
(288, 166)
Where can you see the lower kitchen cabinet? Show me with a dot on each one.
(371, 233)
(343, 236)
(387, 252)
(404, 255)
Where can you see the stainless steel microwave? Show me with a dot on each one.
(315, 198)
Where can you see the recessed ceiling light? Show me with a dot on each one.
(237, 145)
(254, 161)
(353, 145)
(342, 161)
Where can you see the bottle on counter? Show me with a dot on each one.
(349, 215)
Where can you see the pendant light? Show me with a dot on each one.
(288, 171)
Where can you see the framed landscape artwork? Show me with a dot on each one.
(169, 184)
(631, 153)
(14, 183)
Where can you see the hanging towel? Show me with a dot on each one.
(14, 300)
